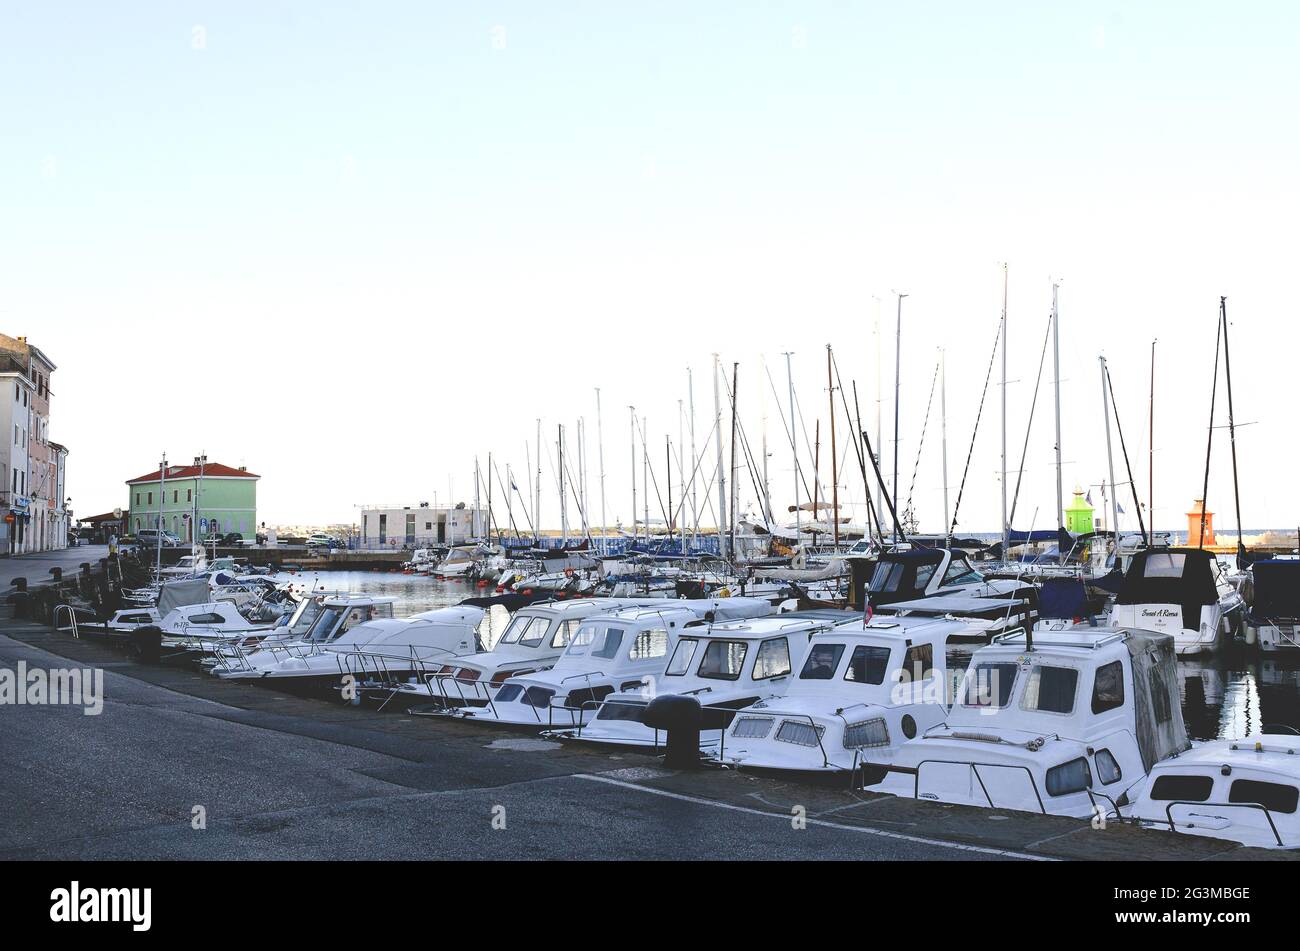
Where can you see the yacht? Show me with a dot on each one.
(906, 573)
(324, 620)
(624, 649)
(1057, 722)
(1179, 591)
(1244, 790)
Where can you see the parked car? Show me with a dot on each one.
(319, 540)
(148, 538)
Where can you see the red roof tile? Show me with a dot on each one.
(214, 469)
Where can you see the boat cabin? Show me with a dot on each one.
(1178, 591)
(341, 613)
(904, 574)
(1274, 619)
(1057, 722)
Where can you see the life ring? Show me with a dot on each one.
(568, 572)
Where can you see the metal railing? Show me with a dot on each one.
(72, 620)
(1173, 826)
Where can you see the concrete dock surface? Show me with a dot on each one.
(280, 776)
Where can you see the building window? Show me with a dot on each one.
(189, 495)
(151, 498)
(176, 496)
(137, 498)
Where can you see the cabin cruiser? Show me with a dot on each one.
(386, 647)
(907, 573)
(863, 689)
(726, 667)
(458, 562)
(1179, 591)
(1056, 722)
(623, 649)
(1273, 621)
(323, 620)
(1244, 790)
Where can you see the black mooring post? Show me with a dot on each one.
(680, 718)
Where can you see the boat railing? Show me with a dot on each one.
(72, 620)
(974, 768)
(373, 667)
(1173, 826)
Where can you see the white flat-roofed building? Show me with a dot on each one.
(420, 526)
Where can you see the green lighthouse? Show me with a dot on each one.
(1078, 514)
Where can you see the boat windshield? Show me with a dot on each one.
(311, 610)
(723, 660)
(989, 685)
(822, 661)
(600, 641)
(335, 620)
(518, 625)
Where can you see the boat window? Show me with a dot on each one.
(1070, 777)
(1108, 770)
(208, 618)
(1108, 688)
(800, 733)
(887, 576)
(773, 659)
(1164, 564)
(607, 647)
(649, 644)
(723, 660)
(508, 692)
(868, 665)
(310, 612)
(1159, 697)
(582, 640)
(1050, 689)
(384, 610)
(989, 685)
(867, 733)
(1275, 797)
(918, 663)
(923, 575)
(960, 572)
(1173, 787)
(325, 623)
(515, 629)
(564, 633)
(535, 632)
(682, 657)
(822, 661)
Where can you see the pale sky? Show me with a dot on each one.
(354, 245)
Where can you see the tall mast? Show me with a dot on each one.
(898, 366)
(794, 451)
(1151, 453)
(478, 511)
(943, 429)
(731, 524)
(645, 477)
(564, 508)
(767, 490)
(817, 473)
(880, 478)
(1006, 529)
(835, 482)
(1110, 458)
(722, 476)
(600, 447)
(162, 495)
(1056, 364)
(668, 480)
(695, 499)
(537, 489)
(489, 500)
(681, 469)
(1232, 428)
(632, 414)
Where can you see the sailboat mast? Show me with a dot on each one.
(1056, 365)
(1232, 428)
(564, 508)
(537, 489)
(1110, 458)
(695, 498)
(1151, 452)
(600, 449)
(817, 474)
(880, 478)
(943, 430)
(632, 416)
(1006, 528)
(731, 524)
(722, 476)
(681, 469)
(794, 449)
(835, 482)
(898, 367)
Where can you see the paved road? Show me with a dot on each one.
(36, 567)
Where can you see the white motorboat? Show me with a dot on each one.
(863, 690)
(385, 647)
(1058, 722)
(624, 649)
(1244, 790)
(321, 622)
(1183, 592)
(726, 668)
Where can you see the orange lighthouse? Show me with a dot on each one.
(1194, 539)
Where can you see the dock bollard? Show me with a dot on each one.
(680, 718)
(57, 572)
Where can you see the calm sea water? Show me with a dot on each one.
(1226, 695)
